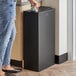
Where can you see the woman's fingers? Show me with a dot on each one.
(35, 3)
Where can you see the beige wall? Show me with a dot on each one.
(17, 50)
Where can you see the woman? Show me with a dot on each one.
(8, 33)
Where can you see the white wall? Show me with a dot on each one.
(60, 24)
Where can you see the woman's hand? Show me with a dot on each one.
(34, 3)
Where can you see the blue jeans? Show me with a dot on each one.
(7, 30)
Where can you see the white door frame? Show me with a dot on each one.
(71, 30)
(74, 30)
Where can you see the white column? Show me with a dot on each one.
(62, 27)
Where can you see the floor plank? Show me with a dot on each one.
(65, 69)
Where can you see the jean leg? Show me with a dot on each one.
(7, 16)
(9, 47)
(4, 39)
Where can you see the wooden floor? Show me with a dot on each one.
(65, 69)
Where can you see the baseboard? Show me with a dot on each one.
(62, 58)
(58, 60)
(16, 63)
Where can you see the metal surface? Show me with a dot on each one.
(39, 38)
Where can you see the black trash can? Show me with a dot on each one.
(39, 38)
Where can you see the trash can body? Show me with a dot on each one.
(39, 38)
